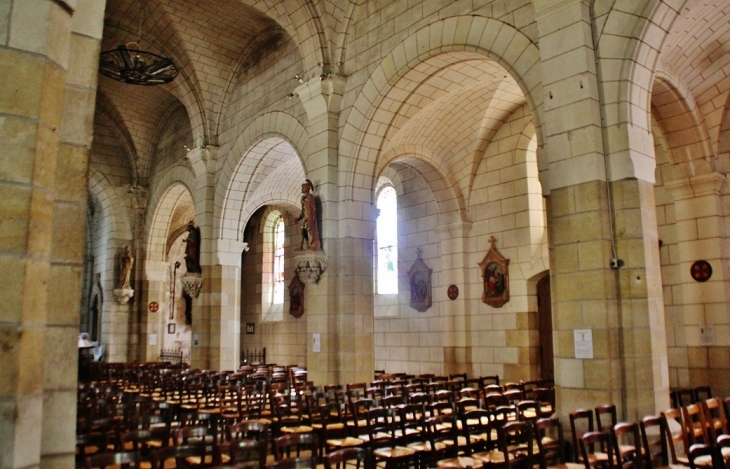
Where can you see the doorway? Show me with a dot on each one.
(545, 328)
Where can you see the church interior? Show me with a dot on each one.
(533, 189)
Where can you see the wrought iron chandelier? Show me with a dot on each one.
(129, 64)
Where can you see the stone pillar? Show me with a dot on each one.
(206, 307)
(155, 287)
(455, 266)
(593, 221)
(340, 306)
(700, 234)
(225, 319)
(48, 63)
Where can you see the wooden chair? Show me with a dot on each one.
(702, 393)
(119, 458)
(581, 423)
(605, 417)
(626, 445)
(715, 417)
(676, 436)
(551, 442)
(695, 425)
(588, 442)
(297, 442)
(723, 444)
(345, 455)
(249, 453)
(653, 442)
(477, 431)
(703, 456)
(514, 447)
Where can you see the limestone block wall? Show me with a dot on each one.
(506, 203)
(406, 340)
(283, 335)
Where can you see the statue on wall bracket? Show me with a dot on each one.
(419, 279)
(495, 275)
(296, 297)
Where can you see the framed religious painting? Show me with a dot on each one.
(495, 277)
(419, 278)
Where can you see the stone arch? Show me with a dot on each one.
(240, 164)
(424, 162)
(635, 55)
(116, 220)
(168, 191)
(474, 36)
(677, 115)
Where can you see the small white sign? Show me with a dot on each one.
(583, 339)
(152, 339)
(707, 334)
(196, 340)
(316, 343)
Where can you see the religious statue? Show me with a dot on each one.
(192, 250)
(126, 261)
(308, 219)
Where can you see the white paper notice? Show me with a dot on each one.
(583, 343)
(316, 343)
(707, 335)
(152, 339)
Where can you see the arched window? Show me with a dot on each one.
(278, 269)
(387, 238)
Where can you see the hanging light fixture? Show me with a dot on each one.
(129, 64)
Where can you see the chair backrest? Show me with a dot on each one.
(342, 456)
(550, 441)
(411, 419)
(605, 417)
(695, 425)
(588, 442)
(654, 441)
(284, 445)
(512, 434)
(626, 445)
(715, 417)
(248, 430)
(120, 458)
(676, 434)
(245, 451)
(581, 422)
(528, 411)
(476, 427)
(702, 393)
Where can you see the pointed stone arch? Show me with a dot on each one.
(364, 132)
(677, 115)
(238, 169)
(424, 162)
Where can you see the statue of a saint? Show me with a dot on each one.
(126, 261)
(192, 250)
(308, 219)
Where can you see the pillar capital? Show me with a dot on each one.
(322, 95)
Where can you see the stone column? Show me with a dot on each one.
(155, 287)
(454, 270)
(225, 318)
(206, 319)
(48, 63)
(700, 234)
(594, 220)
(340, 306)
